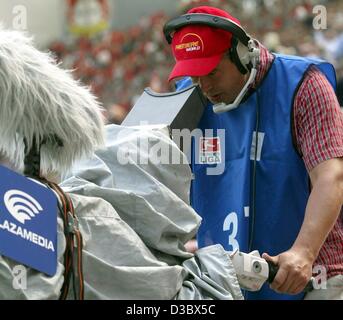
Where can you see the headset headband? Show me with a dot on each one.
(208, 20)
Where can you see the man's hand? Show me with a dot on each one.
(295, 271)
(191, 246)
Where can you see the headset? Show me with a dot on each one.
(243, 52)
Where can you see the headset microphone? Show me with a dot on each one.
(254, 54)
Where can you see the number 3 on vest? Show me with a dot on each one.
(231, 219)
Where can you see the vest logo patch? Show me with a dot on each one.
(210, 151)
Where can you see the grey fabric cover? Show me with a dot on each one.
(135, 220)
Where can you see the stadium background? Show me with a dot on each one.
(117, 47)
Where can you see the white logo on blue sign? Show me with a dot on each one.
(21, 205)
(28, 222)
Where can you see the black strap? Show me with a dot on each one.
(205, 19)
(73, 253)
(72, 233)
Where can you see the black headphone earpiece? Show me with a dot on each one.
(240, 51)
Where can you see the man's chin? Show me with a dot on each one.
(215, 101)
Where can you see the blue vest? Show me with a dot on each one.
(258, 201)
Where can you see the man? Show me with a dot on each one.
(282, 188)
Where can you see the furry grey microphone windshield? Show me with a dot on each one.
(38, 99)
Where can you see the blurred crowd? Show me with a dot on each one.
(119, 64)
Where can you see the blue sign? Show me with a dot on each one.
(28, 222)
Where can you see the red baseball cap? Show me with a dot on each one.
(198, 48)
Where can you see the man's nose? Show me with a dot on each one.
(204, 83)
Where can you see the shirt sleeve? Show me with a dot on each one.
(318, 120)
